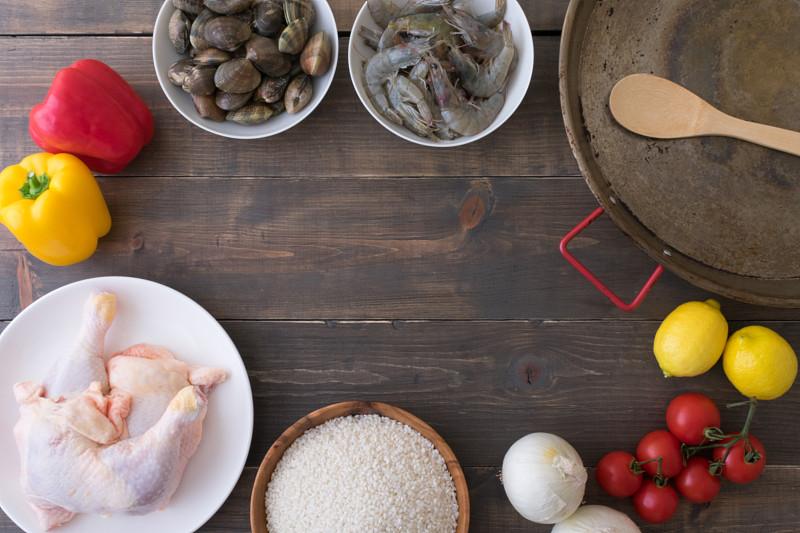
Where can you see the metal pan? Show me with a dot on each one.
(721, 213)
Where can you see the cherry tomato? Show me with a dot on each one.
(615, 476)
(655, 504)
(736, 468)
(689, 414)
(660, 443)
(696, 483)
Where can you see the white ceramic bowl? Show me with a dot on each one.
(164, 56)
(358, 52)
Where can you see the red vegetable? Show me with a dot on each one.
(655, 503)
(688, 415)
(696, 483)
(744, 462)
(617, 474)
(92, 113)
(664, 445)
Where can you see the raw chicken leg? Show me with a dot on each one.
(152, 376)
(68, 468)
(71, 435)
(83, 363)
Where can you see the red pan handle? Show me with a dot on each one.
(591, 277)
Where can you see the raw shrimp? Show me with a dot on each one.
(409, 102)
(490, 19)
(383, 11)
(430, 25)
(380, 68)
(481, 41)
(462, 116)
(370, 36)
(485, 79)
(418, 76)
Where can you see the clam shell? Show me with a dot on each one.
(298, 93)
(207, 107)
(268, 18)
(250, 114)
(200, 81)
(197, 31)
(237, 76)
(293, 38)
(226, 33)
(179, 70)
(228, 7)
(316, 56)
(266, 57)
(271, 90)
(193, 7)
(211, 57)
(178, 28)
(299, 9)
(231, 101)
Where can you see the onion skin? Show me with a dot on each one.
(596, 519)
(544, 478)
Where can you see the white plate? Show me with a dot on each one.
(146, 312)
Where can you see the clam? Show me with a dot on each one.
(179, 26)
(237, 76)
(250, 114)
(266, 57)
(231, 101)
(179, 70)
(207, 107)
(298, 93)
(278, 107)
(228, 7)
(299, 9)
(197, 32)
(271, 90)
(200, 81)
(268, 18)
(293, 38)
(193, 7)
(226, 33)
(316, 56)
(211, 56)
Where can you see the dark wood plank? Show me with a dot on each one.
(482, 385)
(340, 138)
(490, 512)
(126, 18)
(362, 249)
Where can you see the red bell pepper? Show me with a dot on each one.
(92, 113)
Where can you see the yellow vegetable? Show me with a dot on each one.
(53, 206)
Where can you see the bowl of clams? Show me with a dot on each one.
(441, 73)
(245, 69)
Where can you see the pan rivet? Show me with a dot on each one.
(612, 200)
(667, 253)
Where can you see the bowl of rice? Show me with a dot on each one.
(359, 466)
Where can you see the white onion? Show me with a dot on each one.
(543, 477)
(596, 519)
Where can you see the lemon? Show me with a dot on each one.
(759, 362)
(691, 339)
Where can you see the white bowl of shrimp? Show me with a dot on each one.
(441, 72)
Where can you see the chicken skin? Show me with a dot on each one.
(72, 435)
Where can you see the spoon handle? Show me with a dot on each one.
(769, 136)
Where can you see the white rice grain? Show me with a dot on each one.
(361, 473)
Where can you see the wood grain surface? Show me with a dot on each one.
(347, 264)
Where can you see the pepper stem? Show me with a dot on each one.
(34, 185)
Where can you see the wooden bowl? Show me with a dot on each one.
(258, 518)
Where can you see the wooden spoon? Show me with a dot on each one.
(656, 107)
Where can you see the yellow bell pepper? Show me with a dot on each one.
(53, 206)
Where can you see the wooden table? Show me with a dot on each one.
(343, 263)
